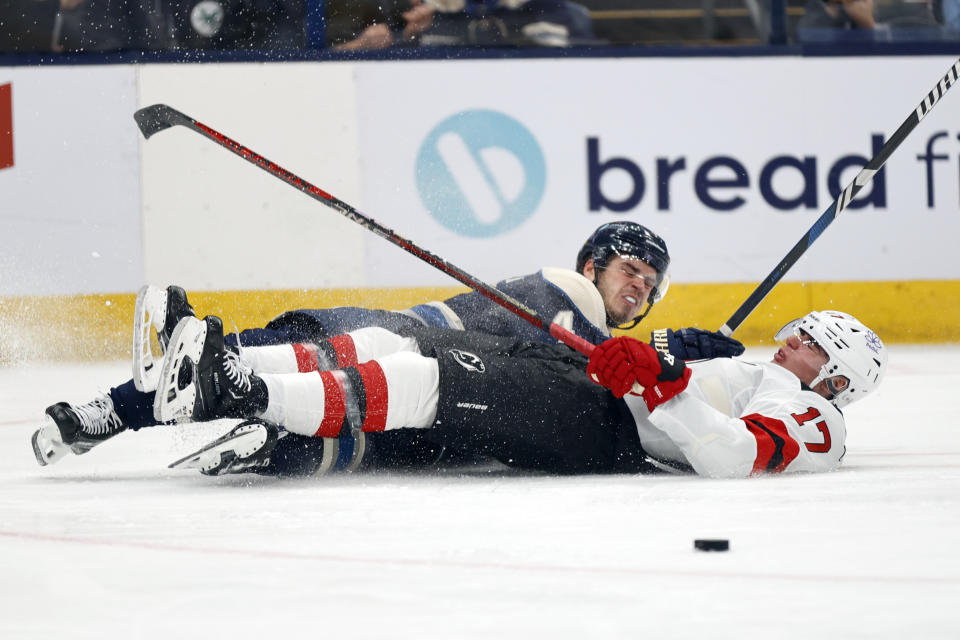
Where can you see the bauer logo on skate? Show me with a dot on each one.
(480, 173)
(467, 360)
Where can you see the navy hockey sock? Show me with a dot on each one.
(135, 408)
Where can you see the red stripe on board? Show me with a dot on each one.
(775, 447)
(6, 126)
(306, 357)
(345, 349)
(375, 386)
(334, 409)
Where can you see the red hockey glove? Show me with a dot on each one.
(620, 362)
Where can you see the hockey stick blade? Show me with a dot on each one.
(159, 117)
(843, 199)
(156, 118)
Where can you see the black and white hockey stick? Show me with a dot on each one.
(158, 117)
(846, 196)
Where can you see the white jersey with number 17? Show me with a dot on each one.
(737, 418)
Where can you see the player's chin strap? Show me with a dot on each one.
(637, 320)
(830, 382)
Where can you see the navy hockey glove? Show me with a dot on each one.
(695, 344)
(620, 362)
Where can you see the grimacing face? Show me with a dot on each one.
(625, 284)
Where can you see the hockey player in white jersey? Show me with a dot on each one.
(733, 418)
(532, 405)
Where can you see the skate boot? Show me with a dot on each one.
(75, 428)
(245, 448)
(203, 380)
(161, 309)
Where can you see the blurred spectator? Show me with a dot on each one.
(496, 22)
(418, 18)
(905, 13)
(950, 14)
(28, 25)
(360, 24)
(114, 25)
(839, 14)
(376, 36)
(238, 24)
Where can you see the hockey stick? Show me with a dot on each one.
(846, 196)
(159, 117)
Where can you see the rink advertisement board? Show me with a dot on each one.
(497, 166)
(69, 179)
(503, 167)
(213, 221)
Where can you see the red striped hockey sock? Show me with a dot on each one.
(356, 398)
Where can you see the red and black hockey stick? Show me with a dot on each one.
(158, 117)
(846, 196)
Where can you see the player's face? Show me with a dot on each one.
(625, 284)
(801, 355)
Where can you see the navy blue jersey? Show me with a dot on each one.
(553, 294)
(557, 295)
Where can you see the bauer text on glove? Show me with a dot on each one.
(695, 344)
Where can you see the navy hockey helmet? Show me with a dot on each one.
(628, 240)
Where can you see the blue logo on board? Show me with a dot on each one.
(480, 173)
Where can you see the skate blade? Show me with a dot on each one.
(149, 312)
(46, 443)
(186, 344)
(242, 441)
(202, 460)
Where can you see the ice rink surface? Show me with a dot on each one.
(114, 545)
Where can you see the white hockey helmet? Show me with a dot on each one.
(855, 352)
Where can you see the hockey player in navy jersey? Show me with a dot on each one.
(621, 271)
(533, 406)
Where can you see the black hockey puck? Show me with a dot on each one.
(711, 545)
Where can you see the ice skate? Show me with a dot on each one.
(203, 380)
(257, 446)
(245, 448)
(75, 428)
(160, 309)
